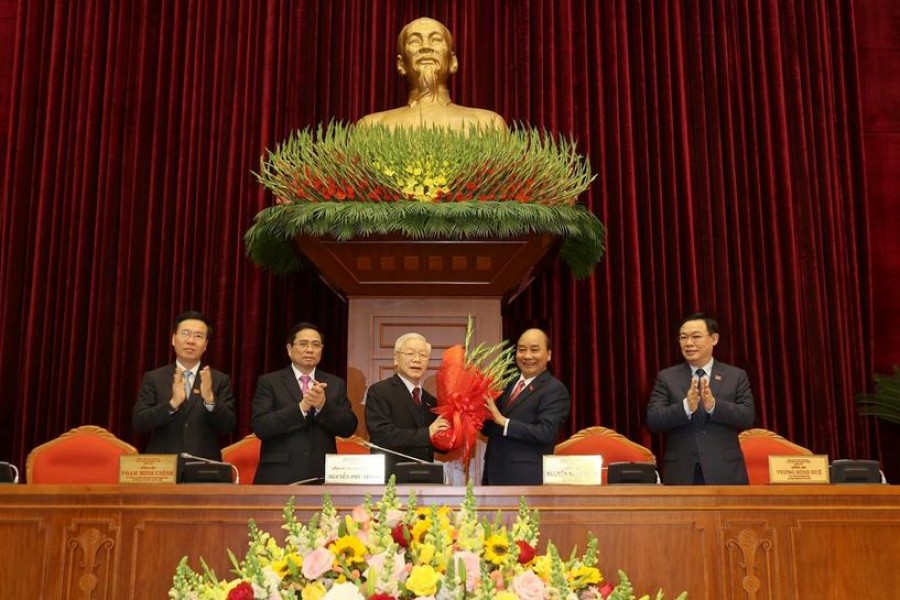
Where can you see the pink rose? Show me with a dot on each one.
(527, 586)
(317, 563)
(360, 515)
(473, 567)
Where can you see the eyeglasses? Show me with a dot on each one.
(683, 339)
(304, 344)
(187, 334)
(409, 355)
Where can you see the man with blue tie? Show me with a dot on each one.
(526, 419)
(184, 406)
(701, 405)
(298, 411)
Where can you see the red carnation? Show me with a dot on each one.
(381, 597)
(400, 536)
(526, 552)
(606, 589)
(244, 591)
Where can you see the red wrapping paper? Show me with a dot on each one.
(461, 393)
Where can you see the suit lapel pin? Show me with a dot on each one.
(717, 377)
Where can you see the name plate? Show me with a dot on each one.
(148, 468)
(573, 470)
(354, 468)
(798, 469)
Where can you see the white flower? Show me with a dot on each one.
(343, 591)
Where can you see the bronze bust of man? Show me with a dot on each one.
(426, 59)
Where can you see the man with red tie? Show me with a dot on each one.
(526, 418)
(398, 409)
(298, 411)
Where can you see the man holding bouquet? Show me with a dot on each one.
(526, 419)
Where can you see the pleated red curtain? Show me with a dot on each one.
(725, 137)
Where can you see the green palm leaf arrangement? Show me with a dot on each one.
(885, 402)
(346, 182)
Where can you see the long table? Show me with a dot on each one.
(717, 543)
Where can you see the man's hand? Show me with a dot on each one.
(315, 395)
(206, 386)
(709, 402)
(693, 397)
(178, 394)
(496, 416)
(439, 424)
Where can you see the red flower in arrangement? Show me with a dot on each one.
(606, 589)
(400, 535)
(243, 591)
(461, 392)
(526, 552)
(381, 597)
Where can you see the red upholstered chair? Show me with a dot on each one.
(86, 454)
(758, 444)
(351, 445)
(244, 454)
(612, 446)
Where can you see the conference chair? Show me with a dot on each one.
(244, 454)
(612, 446)
(86, 454)
(758, 444)
(352, 445)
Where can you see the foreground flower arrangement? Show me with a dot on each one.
(383, 551)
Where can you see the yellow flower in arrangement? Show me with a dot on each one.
(582, 576)
(424, 553)
(496, 549)
(422, 179)
(423, 580)
(313, 591)
(282, 566)
(349, 550)
(382, 560)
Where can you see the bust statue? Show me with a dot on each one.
(426, 59)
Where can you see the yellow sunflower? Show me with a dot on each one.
(282, 565)
(496, 549)
(349, 550)
(581, 577)
(419, 530)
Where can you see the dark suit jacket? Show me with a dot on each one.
(710, 440)
(535, 419)
(191, 428)
(294, 446)
(396, 423)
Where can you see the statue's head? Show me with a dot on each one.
(425, 54)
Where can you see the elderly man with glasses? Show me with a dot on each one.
(298, 411)
(186, 406)
(398, 409)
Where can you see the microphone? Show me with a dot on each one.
(13, 470)
(372, 446)
(305, 481)
(209, 461)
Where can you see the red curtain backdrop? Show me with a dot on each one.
(727, 140)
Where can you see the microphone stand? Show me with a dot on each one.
(209, 461)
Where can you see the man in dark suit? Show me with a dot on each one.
(526, 418)
(183, 406)
(398, 409)
(298, 411)
(701, 405)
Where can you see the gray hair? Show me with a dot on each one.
(407, 337)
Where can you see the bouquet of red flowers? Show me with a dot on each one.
(465, 379)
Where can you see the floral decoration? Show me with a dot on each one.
(384, 551)
(345, 182)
